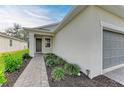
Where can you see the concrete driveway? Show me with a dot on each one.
(117, 75)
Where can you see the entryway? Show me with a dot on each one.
(38, 45)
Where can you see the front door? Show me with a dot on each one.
(38, 45)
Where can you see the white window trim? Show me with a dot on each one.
(112, 27)
(47, 42)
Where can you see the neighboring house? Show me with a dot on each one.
(8, 43)
(90, 36)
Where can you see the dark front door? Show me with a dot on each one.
(38, 45)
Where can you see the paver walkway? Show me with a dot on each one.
(34, 74)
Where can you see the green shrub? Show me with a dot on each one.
(50, 63)
(72, 69)
(50, 56)
(59, 61)
(10, 61)
(25, 56)
(50, 59)
(58, 74)
(2, 77)
(53, 60)
(13, 60)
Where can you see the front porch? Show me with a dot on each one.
(40, 43)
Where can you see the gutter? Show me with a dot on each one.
(44, 32)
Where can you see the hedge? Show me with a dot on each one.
(10, 61)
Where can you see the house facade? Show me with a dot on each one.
(8, 43)
(90, 36)
(41, 39)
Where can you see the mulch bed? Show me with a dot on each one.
(12, 77)
(107, 82)
(81, 81)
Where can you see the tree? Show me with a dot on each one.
(16, 31)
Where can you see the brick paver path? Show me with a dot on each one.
(34, 74)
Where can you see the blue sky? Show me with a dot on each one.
(31, 16)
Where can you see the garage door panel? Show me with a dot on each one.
(107, 53)
(114, 61)
(110, 62)
(106, 63)
(113, 49)
(115, 52)
(106, 45)
(121, 60)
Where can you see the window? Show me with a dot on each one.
(10, 42)
(47, 40)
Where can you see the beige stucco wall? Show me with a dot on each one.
(108, 17)
(16, 45)
(77, 43)
(80, 41)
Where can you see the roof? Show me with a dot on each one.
(44, 28)
(10, 37)
(76, 10)
(114, 9)
(47, 27)
(73, 13)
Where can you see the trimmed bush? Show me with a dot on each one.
(58, 74)
(50, 63)
(50, 59)
(25, 56)
(59, 61)
(2, 77)
(72, 69)
(10, 61)
(13, 60)
(53, 60)
(50, 56)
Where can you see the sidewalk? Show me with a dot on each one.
(34, 75)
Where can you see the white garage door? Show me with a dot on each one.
(113, 49)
